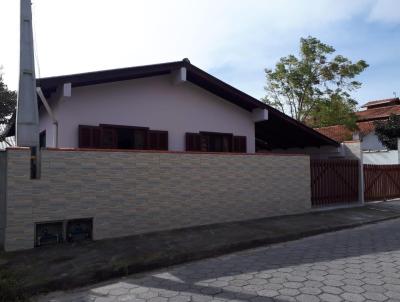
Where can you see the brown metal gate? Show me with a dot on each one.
(381, 182)
(334, 181)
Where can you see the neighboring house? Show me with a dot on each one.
(9, 141)
(171, 106)
(375, 111)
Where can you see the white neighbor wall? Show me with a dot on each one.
(381, 157)
(371, 142)
(153, 102)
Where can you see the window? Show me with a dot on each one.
(239, 144)
(158, 140)
(109, 138)
(89, 136)
(122, 137)
(79, 229)
(215, 142)
(48, 233)
(193, 142)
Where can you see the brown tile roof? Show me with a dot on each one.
(337, 132)
(381, 102)
(365, 127)
(365, 120)
(340, 133)
(377, 113)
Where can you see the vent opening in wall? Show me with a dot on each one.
(79, 229)
(49, 233)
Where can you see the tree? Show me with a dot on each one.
(334, 111)
(8, 103)
(388, 131)
(314, 88)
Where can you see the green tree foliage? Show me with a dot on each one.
(315, 87)
(388, 131)
(334, 111)
(8, 103)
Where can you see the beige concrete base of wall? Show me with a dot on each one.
(128, 193)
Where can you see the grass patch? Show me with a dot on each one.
(10, 287)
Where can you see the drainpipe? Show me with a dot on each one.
(51, 114)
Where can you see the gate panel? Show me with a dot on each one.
(334, 181)
(381, 182)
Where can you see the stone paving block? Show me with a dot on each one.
(271, 273)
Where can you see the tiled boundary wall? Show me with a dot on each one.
(2, 196)
(130, 193)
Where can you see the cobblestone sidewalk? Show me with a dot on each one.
(361, 264)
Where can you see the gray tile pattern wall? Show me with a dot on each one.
(136, 192)
(2, 196)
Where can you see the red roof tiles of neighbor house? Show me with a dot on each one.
(378, 113)
(340, 133)
(376, 110)
(337, 132)
(365, 127)
(380, 103)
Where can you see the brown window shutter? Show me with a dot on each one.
(96, 137)
(158, 140)
(163, 140)
(109, 138)
(193, 142)
(152, 140)
(239, 144)
(204, 143)
(85, 136)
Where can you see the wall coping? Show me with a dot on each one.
(169, 152)
(351, 142)
(159, 151)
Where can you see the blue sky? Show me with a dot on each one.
(232, 39)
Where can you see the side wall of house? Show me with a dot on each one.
(153, 102)
(129, 193)
(3, 182)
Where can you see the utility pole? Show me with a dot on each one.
(27, 125)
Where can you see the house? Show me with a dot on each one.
(9, 141)
(374, 111)
(171, 106)
(82, 187)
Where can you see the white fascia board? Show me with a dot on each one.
(260, 115)
(66, 90)
(63, 91)
(179, 76)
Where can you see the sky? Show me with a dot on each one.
(234, 40)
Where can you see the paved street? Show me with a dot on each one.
(360, 264)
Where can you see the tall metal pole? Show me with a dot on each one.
(27, 126)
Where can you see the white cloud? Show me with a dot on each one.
(243, 36)
(386, 11)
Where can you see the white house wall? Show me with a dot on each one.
(371, 142)
(153, 102)
(45, 123)
(391, 157)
